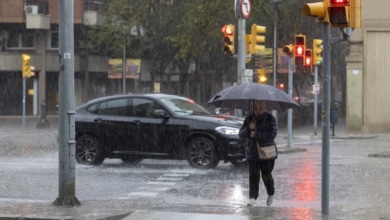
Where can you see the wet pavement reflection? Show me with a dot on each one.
(358, 187)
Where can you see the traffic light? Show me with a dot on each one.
(262, 78)
(247, 48)
(308, 58)
(228, 39)
(255, 38)
(355, 16)
(300, 45)
(281, 86)
(317, 9)
(26, 68)
(338, 11)
(317, 51)
(289, 50)
(299, 49)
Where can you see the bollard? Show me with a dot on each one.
(43, 111)
(43, 122)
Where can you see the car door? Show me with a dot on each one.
(116, 124)
(159, 136)
(148, 126)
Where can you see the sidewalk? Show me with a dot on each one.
(354, 194)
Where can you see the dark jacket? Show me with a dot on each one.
(266, 131)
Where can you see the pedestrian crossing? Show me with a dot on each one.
(162, 184)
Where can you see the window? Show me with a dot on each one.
(118, 107)
(18, 40)
(53, 40)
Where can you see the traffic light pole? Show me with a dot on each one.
(66, 130)
(315, 100)
(241, 49)
(24, 103)
(325, 118)
(289, 113)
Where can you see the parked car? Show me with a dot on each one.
(133, 127)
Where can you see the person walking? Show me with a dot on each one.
(259, 128)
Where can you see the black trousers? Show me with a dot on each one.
(266, 167)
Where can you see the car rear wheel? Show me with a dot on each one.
(88, 150)
(201, 153)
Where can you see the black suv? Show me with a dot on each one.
(159, 126)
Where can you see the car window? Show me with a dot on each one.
(145, 107)
(118, 107)
(184, 106)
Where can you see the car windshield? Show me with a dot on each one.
(184, 106)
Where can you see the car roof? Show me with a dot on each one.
(153, 95)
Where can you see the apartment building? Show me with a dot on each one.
(31, 27)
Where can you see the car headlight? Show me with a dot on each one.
(227, 130)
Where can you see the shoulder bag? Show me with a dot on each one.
(266, 153)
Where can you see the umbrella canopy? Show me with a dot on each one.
(242, 97)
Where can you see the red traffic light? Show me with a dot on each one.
(300, 42)
(299, 50)
(308, 58)
(228, 30)
(339, 2)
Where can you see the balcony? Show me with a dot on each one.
(94, 12)
(37, 16)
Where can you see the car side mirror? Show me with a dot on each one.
(160, 113)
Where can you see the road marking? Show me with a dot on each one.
(176, 175)
(21, 200)
(169, 179)
(153, 189)
(162, 183)
(150, 194)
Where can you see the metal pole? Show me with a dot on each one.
(315, 100)
(35, 96)
(289, 113)
(325, 120)
(24, 103)
(275, 49)
(124, 68)
(67, 142)
(240, 49)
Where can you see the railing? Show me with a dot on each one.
(95, 5)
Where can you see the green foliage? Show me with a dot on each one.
(176, 32)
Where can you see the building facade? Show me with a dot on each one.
(31, 27)
(368, 71)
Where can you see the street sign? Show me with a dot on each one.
(316, 89)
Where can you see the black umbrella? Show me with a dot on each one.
(242, 97)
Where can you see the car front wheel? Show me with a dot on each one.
(201, 153)
(88, 151)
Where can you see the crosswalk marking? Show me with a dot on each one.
(169, 179)
(162, 183)
(151, 194)
(176, 175)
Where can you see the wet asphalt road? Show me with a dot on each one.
(358, 187)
